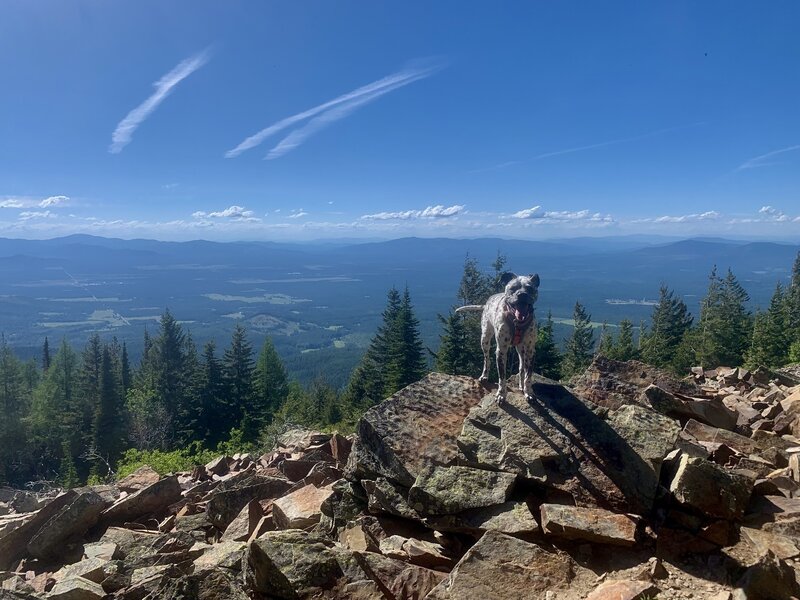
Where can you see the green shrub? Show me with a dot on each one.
(183, 459)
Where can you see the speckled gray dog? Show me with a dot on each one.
(509, 318)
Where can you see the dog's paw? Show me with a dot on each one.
(529, 396)
(483, 380)
(500, 397)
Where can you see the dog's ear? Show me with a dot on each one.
(506, 277)
(534, 279)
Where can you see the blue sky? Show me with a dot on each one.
(305, 120)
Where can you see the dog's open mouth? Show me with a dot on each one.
(521, 312)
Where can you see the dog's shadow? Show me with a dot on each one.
(585, 447)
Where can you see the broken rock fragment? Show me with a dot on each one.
(589, 524)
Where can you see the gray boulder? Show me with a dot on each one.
(559, 440)
(415, 428)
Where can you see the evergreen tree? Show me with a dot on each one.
(769, 344)
(606, 344)
(125, 370)
(793, 312)
(547, 360)
(57, 417)
(68, 473)
(725, 322)
(13, 406)
(624, 347)
(580, 346)
(670, 321)
(270, 382)
(212, 419)
(46, 355)
(237, 370)
(405, 356)
(108, 426)
(454, 356)
(162, 393)
(368, 382)
(89, 384)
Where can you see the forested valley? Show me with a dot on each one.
(89, 415)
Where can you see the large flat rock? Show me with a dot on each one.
(451, 490)
(13, 544)
(564, 442)
(72, 520)
(613, 383)
(589, 524)
(502, 567)
(154, 498)
(415, 428)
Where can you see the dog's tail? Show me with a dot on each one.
(470, 308)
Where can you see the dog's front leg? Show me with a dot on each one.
(502, 354)
(526, 365)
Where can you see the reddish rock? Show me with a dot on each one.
(623, 590)
(139, 479)
(589, 524)
(300, 509)
(340, 448)
(155, 498)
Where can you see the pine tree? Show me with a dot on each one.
(793, 312)
(108, 426)
(212, 419)
(580, 346)
(159, 399)
(725, 323)
(624, 347)
(89, 377)
(547, 360)
(405, 356)
(270, 382)
(670, 321)
(57, 417)
(237, 370)
(46, 355)
(394, 358)
(13, 406)
(454, 356)
(125, 370)
(606, 344)
(368, 383)
(769, 344)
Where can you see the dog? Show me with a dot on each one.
(509, 318)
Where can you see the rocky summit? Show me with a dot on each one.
(629, 485)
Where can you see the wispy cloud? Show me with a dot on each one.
(35, 214)
(763, 160)
(536, 213)
(614, 142)
(709, 215)
(48, 202)
(53, 201)
(431, 212)
(232, 213)
(124, 132)
(296, 214)
(12, 203)
(329, 112)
